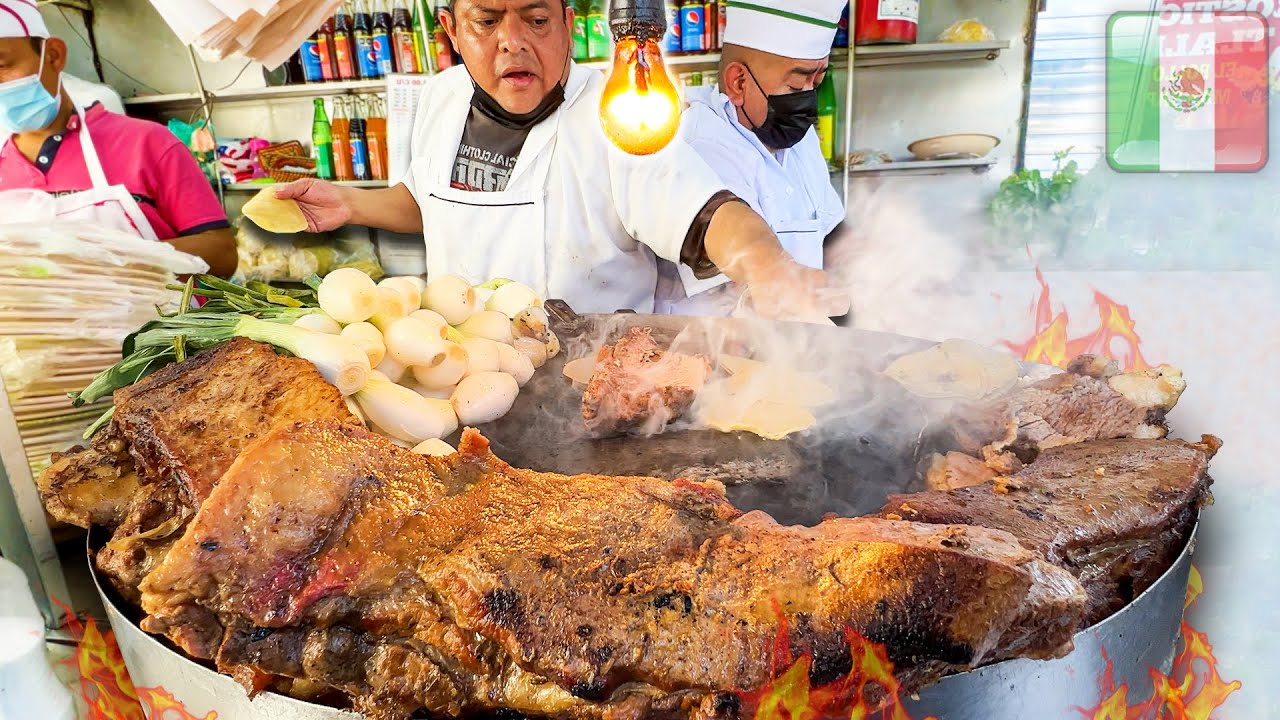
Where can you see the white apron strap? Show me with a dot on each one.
(96, 174)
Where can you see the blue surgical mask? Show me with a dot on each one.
(25, 105)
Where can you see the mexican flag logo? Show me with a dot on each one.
(1187, 91)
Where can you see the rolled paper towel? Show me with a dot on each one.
(28, 687)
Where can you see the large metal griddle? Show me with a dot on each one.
(868, 443)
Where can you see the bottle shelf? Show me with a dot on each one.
(866, 57)
(281, 92)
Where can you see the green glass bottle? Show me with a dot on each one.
(827, 108)
(420, 22)
(599, 43)
(581, 47)
(322, 142)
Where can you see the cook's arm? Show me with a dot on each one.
(742, 246)
(328, 206)
(217, 247)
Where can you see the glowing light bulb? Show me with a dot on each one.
(640, 109)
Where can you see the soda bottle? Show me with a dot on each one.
(444, 48)
(311, 71)
(581, 48)
(382, 52)
(827, 116)
(344, 44)
(423, 35)
(693, 25)
(598, 42)
(376, 135)
(324, 46)
(671, 41)
(402, 38)
(710, 23)
(359, 143)
(322, 141)
(364, 42)
(340, 131)
(842, 32)
(722, 7)
(295, 73)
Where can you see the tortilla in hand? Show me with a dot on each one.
(273, 214)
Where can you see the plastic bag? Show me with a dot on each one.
(267, 257)
(968, 30)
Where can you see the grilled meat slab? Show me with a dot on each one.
(172, 437)
(462, 584)
(1092, 400)
(638, 386)
(1113, 512)
(172, 433)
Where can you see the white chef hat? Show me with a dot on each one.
(800, 29)
(20, 18)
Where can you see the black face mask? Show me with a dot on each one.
(789, 119)
(484, 103)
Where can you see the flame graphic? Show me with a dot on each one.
(105, 687)
(1200, 691)
(869, 687)
(1052, 345)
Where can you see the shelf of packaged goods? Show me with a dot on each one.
(254, 187)
(241, 95)
(883, 55)
(919, 167)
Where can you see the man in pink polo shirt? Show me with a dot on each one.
(100, 167)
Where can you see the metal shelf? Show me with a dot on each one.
(883, 55)
(254, 187)
(865, 56)
(692, 60)
(170, 100)
(241, 95)
(921, 167)
(309, 90)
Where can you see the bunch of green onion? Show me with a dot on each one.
(257, 311)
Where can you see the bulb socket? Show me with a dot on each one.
(640, 19)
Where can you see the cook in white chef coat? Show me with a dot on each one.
(512, 176)
(756, 128)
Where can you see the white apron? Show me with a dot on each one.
(103, 205)
(509, 226)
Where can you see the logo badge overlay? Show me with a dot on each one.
(1187, 91)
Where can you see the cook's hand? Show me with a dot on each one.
(787, 290)
(324, 204)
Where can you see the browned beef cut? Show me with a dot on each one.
(1092, 400)
(172, 436)
(253, 389)
(637, 386)
(91, 486)
(456, 585)
(956, 470)
(1113, 512)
